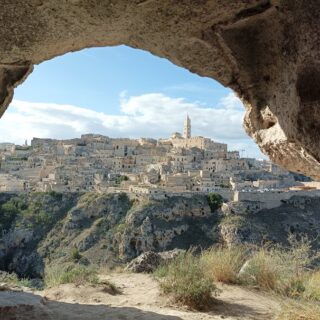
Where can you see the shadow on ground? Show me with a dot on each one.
(26, 306)
(233, 310)
(17, 305)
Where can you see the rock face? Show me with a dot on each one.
(299, 215)
(265, 50)
(146, 262)
(25, 221)
(99, 229)
(150, 260)
(177, 222)
(43, 229)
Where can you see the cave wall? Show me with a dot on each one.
(267, 51)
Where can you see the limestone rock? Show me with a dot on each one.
(149, 261)
(146, 262)
(166, 224)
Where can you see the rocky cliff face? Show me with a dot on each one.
(43, 229)
(176, 222)
(25, 221)
(242, 223)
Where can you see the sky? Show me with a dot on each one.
(122, 92)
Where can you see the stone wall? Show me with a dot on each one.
(273, 199)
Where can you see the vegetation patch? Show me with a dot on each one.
(75, 254)
(186, 281)
(299, 310)
(285, 271)
(215, 201)
(223, 264)
(234, 220)
(10, 278)
(119, 179)
(77, 274)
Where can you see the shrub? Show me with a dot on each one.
(88, 198)
(120, 178)
(8, 212)
(55, 194)
(215, 201)
(75, 254)
(233, 220)
(79, 275)
(12, 279)
(185, 279)
(223, 264)
(264, 270)
(282, 270)
(161, 271)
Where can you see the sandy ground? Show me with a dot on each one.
(140, 299)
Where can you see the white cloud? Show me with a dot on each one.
(148, 115)
(231, 101)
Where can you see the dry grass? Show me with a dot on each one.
(312, 286)
(77, 274)
(284, 271)
(13, 280)
(299, 310)
(185, 280)
(264, 270)
(223, 264)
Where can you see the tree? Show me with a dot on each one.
(215, 201)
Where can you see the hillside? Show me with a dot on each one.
(49, 228)
(43, 229)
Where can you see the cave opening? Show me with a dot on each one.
(119, 92)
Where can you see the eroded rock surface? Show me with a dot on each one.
(265, 50)
(43, 229)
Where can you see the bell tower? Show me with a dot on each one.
(187, 128)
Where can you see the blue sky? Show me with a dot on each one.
(120, 91)
(94, 78)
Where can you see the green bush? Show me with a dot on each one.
(75, 254)
(55, 194)
(185, 279)
(8, 212)
(215, 201)
(77, 274)
(119, 179)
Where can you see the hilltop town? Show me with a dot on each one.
(182, 164)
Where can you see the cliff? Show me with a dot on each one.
(43, 229)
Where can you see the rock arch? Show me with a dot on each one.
(265, 50)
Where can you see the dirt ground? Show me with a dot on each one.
(140, 299)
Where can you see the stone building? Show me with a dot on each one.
(180, 164)
(187, 128)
